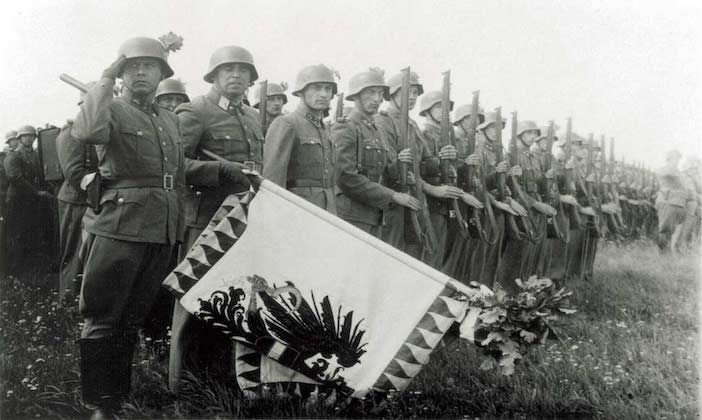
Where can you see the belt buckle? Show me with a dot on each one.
(251, 165)
(168, 182)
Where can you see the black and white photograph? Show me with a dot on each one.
(350, 209)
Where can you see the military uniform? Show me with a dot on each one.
(361, 162)
(396, 230)
(22, 198)
(77, 160)
(299, 156)
(232, 131)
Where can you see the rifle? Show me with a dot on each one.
(592, 199)
(339, 111)
(514, 182)
(501, 188)
(263, 106)
(73, 82)
(427, 241)
(475, 223)
(568, 176)
(448, 171)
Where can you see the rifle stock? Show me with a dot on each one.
(263, 105)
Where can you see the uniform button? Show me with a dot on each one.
(227, 136)
(165, 159)
(153, 115)
(120, 200)
(164, 143)
(160, 129)
(140, 133)
(198, 193)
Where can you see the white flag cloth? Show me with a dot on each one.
(332, 304)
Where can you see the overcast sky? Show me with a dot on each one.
(627, 69)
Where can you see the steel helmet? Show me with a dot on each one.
(316, 73)
(429, 100)
(230, 54)
(274, 89)
(371, 78)
(490, 118)
(544, 134)
(527, 125)
(146, 47)
(26, 129)
(395, 83)
(464, 111)
(10, 135)
(171, 87)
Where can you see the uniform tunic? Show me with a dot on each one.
(361, 163)
(76, 160)
(397, 230)
(299, 156)
(233, 131)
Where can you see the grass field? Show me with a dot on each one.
(629, 353)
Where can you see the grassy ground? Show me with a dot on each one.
(629, 353)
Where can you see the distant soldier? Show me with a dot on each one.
(671, 210)
(362, 158)
(9, 136)
(275, 100)
(171, 93)
(691, 182)
(23, 200)
(430, 109)
(77, 160)
(299, 153)
(11, 140)
(139, 219)
(220, 123)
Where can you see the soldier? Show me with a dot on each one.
(77, 160)
(23, 201)
(430, 109)
(9, 136)
(691, 180)
(11, 140)
(298, 153)
(362, 158)
(132, 234)
(171, 93)
(275, 100)
(218, 122)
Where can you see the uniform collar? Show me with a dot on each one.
(357, 115)
(304, 111)
(149, 109)
(224, 102)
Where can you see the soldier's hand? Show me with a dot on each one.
(231, 172)
(515, 170)
(550, 174)
(590, 178)
(518, 208)
(473, 160)
(405, 156)
(406, 200)
(448, 152)
(445, 191)
(501, 167)
(571, 163)
(45, 195)
(470, 200)
(115, 68)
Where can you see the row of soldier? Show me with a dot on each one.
(147, 169)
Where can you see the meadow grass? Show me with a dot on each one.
(630, 352)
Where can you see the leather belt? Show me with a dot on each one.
(165, 182)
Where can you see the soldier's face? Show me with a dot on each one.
(528, 137)
(491, 132)
(435, 112)
(142, 75)
(171, 100)
(232, 79)
(27, 139)
(317, 96)
(13, 144)
(543, 145)
(413, 95)
(369, 99)
(274, 105)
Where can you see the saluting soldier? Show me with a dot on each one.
(275, 101)
(362, 158)
(299, 153)
(77, 160)
(218, 122)
(171, 93)
(132, 236)
(439, 149)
